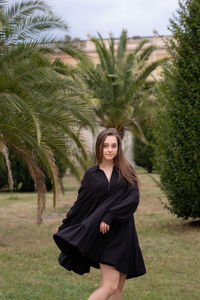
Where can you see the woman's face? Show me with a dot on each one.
(110, 147)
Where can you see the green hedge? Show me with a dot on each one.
(142, 153)
(177, 125)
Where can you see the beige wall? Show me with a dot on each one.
(90, 50)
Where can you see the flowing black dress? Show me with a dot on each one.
(79, 238)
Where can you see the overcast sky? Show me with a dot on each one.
(139, 17)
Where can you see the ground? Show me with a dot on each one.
(28, 255)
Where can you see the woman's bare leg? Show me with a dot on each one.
(110, 282)
(117, 295)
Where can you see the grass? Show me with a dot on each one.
(28, 256)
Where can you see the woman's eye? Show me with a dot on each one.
(107, 146)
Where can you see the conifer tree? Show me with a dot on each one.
(177, 126)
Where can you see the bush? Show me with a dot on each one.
(143, 153)
(177, 126)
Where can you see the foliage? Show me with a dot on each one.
(177, 125)
(22, 179)
(143, 153)
(45, 108)
(120, 86)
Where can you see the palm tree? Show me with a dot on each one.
(119, 85)
(40, 107)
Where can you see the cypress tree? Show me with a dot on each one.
(177, 126)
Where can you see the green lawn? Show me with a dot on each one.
(28, 256)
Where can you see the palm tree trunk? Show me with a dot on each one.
(4, 150)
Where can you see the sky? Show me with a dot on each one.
(138, 17)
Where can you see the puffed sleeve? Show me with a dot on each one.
(125, 207)
(74, 213)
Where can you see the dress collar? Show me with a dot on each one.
(96, 167)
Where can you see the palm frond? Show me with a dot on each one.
(118, 85)
(140, 46)
(121, 47)
(25, 20)
(38, 177)
(144, 56)
(25, 8)
(112, 50)
(15, 102)
(104, 55)
(45, 102)
(30, 28)
(48, 159)
(137, 131)
(150, 68)
(73, 50)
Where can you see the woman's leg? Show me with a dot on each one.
(110, 282)
(118, 293)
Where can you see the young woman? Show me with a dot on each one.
(99, 229)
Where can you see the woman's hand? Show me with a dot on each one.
(57, 230)
(104, 227)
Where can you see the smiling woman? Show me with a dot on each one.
(99, 229)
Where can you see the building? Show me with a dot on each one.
(89, 48)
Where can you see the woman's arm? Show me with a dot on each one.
(125, 207)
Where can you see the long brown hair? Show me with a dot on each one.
(125, 168)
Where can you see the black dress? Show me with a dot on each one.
(79, 238)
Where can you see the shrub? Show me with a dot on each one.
(143, 153)
(177, 126)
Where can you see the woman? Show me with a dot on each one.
(99, 229)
